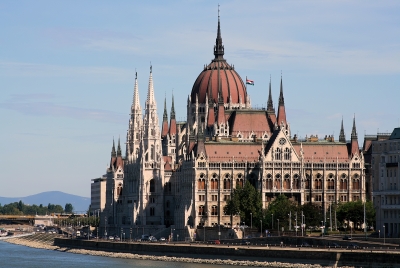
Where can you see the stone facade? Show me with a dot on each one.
(385, 177)
(183, 174)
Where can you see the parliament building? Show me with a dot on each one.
(179, 175)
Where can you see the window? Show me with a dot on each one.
(268, 184)
(214, 210)
(239, 182)
(331, 184)
(287, 154)
(214, 184)
(227, 197)
(278, 154)
(152, 186)
(318, 184)
(201, 184)
(201, 197)
(152, 211)
(214, 197)
(356, 184)
(227, 184)
(201, 211)
(152, 200)
(343, 184)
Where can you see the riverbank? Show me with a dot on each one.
(43, 241)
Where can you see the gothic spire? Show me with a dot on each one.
(173, 108)
(270, 104)
(136, 101)
(119, 153)
(281, 109)
(165, 115)
(150, 92)
(219, 48)
(354, 130)
(113, 153)
(354, 140)
(342, 137)
(281, 99)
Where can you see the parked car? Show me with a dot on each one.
(111, 237)
(152, 239)
(346, 237)
(116, 238)
(162, 239)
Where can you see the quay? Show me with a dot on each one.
(373, 256)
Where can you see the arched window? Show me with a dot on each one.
(331, 184)
(287, 154)
(239, 181)
(296, 182)
(253, 180)
(214, 182)
(278, 154)
(278, 181)
(343, 184)
(214, 210)
(152, 211)
(227, 183)
(152, 186)
(268, 184)
(201, 210)
(356, 184)
(286, 182)
(119, 189)
(201, 184)
(152, 153)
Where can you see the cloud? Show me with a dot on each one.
(26, 69)
(25, 104)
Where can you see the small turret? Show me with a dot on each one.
(342, 137)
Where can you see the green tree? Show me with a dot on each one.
(280, 209)
(354, 212)
(312, 214)
(68, 208)
(246, 202)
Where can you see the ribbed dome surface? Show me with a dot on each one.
(219, 76)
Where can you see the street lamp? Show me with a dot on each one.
(261, 229)
(272, 221)
(322, 228)
(384, 235)
(244, 227)
(251, 220)
(278, 229)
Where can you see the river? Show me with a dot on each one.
(24, 257)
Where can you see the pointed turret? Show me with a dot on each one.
(113, 153)
(270, 104)
(354, 139)
(136, 102)
(164, 130)
(219, 48)
(135, 125)
(172, 122)
(150, 92)
(281, 109)
(270, 108)
(119, 153)
(342, 137)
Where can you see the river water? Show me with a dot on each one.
(20, 256)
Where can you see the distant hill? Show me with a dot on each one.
(80, 204)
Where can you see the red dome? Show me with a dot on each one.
(230, 84)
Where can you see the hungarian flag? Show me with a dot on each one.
(249, 82)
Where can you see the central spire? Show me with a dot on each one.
(219, 48)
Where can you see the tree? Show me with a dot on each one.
(246, 202)
(354, 212)
(68, 208)
(280, 208)
(312, 214)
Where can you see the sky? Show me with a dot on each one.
(67, 71)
